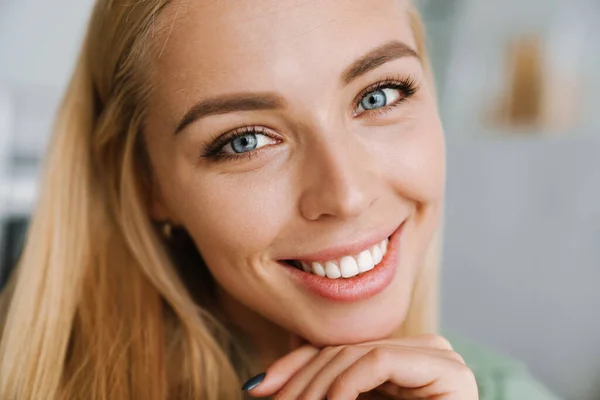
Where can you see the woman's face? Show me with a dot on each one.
(289, 132)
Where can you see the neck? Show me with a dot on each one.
(266, 341)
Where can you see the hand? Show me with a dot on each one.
(410, 368)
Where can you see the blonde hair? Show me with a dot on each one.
(96, 308)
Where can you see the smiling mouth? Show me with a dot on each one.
(347, 266)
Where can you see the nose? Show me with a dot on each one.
(339, 181)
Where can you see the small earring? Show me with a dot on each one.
(167, 230)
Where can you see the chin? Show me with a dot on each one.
(355, 328)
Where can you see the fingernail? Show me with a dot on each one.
(254, 382)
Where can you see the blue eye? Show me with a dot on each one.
(247, 142)
(373, 100)
(378, 99)
(244, 143)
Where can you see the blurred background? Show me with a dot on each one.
(519, 86)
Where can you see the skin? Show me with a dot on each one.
(329, 178)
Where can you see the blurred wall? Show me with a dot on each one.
(522, 240)
(39, 40)
(522, 255)
(474, 68)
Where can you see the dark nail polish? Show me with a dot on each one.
(254, 382)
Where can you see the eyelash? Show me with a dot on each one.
(408, 86)
(213, 150)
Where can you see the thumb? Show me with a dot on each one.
(270, 382)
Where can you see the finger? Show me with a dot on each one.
(323, 379)
(460, 377)
(425, 341)
(416, 374)
(428, 341)
(297, 384)
(392, 345)
(319, 385)
(293, 373)
(434, 341)
(449, 354)
(315, 378)
(282, 370)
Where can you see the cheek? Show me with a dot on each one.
(234, 218)
(231, 217)
(415, 163)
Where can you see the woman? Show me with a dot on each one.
(296, 147)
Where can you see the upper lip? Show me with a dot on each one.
(347, 249)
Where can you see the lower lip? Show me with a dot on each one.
(360, 287)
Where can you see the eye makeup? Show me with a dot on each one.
(406, 86)
(215, 149)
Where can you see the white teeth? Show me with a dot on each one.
(383, 246)
(377, 255)
(348, 267)
(365, 261)
(317, 269)
(332, 270)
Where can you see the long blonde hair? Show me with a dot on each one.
(96, 308)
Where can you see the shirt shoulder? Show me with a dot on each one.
(499, 377)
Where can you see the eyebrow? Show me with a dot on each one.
(231, 103)
(375, 58)
(249, 101)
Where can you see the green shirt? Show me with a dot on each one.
(499, 377)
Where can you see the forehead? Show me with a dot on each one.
(221, 45)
